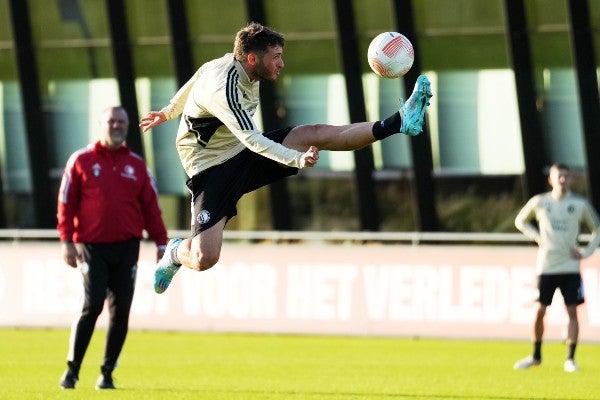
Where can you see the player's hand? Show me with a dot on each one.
(151, 120)
(576, 254)
(310, 158)
(70, 254)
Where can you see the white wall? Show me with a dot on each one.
(447, 291)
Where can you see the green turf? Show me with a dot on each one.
(160, 365)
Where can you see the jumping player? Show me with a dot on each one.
(225, 155)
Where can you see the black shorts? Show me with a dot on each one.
(570, 285)
(216, 191)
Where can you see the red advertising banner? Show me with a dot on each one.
(389, 290)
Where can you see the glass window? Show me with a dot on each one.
(71, 39)
(8, 66)
(72, 48)
(150, 36)
(594, 7)
(310, 32)
(16, 173)
(556, 82)
(475, 127)
(153, 94)
(14, 159)
(213, 26)
(562, 118)
(463, 34)
(156, 83)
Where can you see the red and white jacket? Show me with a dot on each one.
(108, 196)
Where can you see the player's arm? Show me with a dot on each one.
(591, 220)
(241, 124)
(173, 109)
(258, 143)
(523, 221)
(68, 203)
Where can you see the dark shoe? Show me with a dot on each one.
(105, 380)
(69, 379)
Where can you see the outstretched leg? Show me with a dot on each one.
(408, 120)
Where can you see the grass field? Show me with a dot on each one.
(162, 365)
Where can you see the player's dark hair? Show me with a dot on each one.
(255, 38)
(559, 165)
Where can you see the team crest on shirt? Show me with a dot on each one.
(203, 217)
(571, 209)
(96, 168)
(548, 207)
(128, 172)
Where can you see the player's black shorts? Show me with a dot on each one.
(216, 191)
(570, 285)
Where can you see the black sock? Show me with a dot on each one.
(174, 258)
(388, 126)
(74, 367)
(572, 347)
(537, 350)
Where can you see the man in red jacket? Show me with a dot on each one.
(107, 198)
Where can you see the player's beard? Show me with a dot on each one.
(265, 74)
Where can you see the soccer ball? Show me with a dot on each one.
(390, 55)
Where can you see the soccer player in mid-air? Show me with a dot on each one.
(559, 214)
(225, 155)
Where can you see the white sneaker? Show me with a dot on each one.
(527, 362)
(570, 365)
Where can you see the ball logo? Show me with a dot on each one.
(395, 45)
(203, 217)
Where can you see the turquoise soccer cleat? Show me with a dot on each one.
(166, 270)
(413, 110)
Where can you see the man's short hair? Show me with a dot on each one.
(255, 38)
(559, 166)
